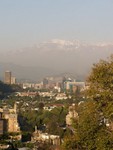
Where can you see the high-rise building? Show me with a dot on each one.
(45, 82)
(7, 78)
(13, 80)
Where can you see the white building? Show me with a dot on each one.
(72, 114)
(45, 137)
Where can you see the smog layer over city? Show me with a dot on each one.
(56, 74)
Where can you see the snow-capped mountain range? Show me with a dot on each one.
(58, 56)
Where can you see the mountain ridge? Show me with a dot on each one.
(58, 56)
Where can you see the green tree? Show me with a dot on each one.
(91, 132)
(101, 86)
(5, 90)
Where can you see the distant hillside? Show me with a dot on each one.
(25, 72)
(5, 90)
(55, 57)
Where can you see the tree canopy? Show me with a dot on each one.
(5, 89)
(101, 86)
(93, 130)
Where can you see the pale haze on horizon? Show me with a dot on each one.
(27, 30)
(25, 23)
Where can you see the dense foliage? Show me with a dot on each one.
(94, 129)
(5, 90)
(48, 121)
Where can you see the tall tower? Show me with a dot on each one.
(7, 78)
(45, 82)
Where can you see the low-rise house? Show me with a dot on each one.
(27, 94)
(47, 94)
(45, 137)
(61, 96)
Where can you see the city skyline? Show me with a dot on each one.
(54, 37)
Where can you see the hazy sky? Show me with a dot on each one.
(24, 23)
